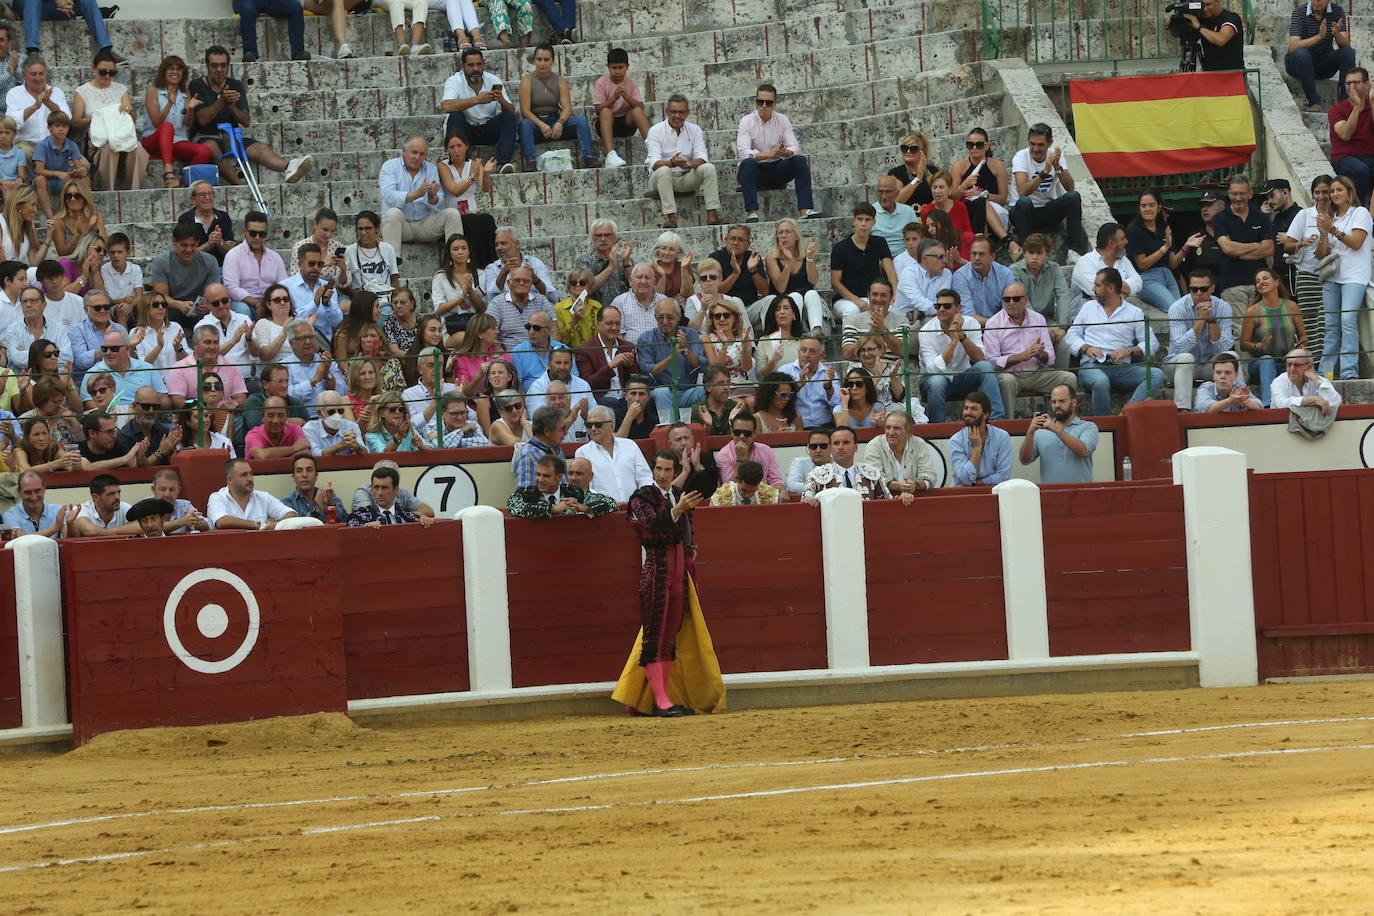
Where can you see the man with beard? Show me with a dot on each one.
(560, 369)
(980, 454)
(1063, 441)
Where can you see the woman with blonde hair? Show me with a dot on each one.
(1343, 229)
(155, 339)
(76, 217)
(18, 233)
(727, 344)
(511, 426)
(710, 277)
(672, 267)
(576, 316)
(389, 428)
(471, 357)
(915, 171)
(82, 269)
(792, 272)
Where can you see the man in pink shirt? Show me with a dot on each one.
(250, 266)
(1017, 341)
(744, 448)
(770, 156)
(275, 438)
(619, 105)
(182, 378)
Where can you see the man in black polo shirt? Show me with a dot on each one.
(1318, 47)
(1201, 251)
(745, 277)
(1223, 39)
(857, 261)
(1246, 237)
(1278, 203)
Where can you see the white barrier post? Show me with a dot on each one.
(488, 604)
(846, 578)
(1023, 570)
(38, 602)
(1221, 599)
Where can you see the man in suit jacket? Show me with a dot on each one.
(550, 496)
(383, 509)
(606, 360)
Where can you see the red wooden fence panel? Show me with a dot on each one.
(574, 605)
(1116, 569)
(123, 671)
(1310, 536)
(404, 610)
(935, 580)
(10, 712)
(760, 585)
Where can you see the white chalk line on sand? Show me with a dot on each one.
(691, 800)
(457, 790)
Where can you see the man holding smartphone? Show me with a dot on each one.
(1063, 441)
(479, 109)
(315, 298)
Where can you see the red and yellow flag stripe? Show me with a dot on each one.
(1162, 125)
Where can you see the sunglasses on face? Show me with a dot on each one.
(279, 299)
(99, 308)
(1012, 298)
(597, 424)
(765, 103)
(114, 348)
(975, 144)
(511, 408)
(71, 195)
(946, 305)
(709, 277)
(785, 395)
(393, 410)
(938, 257)
(578, 283)
(743, 433)
(97, 249)
(1198, 289)
(53, 354)
(722, 316)
(536, 327)
(157, 305)
(854, 383)
(102, 389)
(256, 233)
(104, 72)
(142, 405)
(817, 446)
(910, 149)
(212, 386)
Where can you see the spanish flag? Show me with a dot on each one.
(1162, 125)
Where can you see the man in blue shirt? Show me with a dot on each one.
(531, 357)
(87, 336)
(548, 426)
(981, 281)
(818, 387)
(33, 515)
(414, 199)
(1062, 441)
(673, 357)
(312, 295)
(981, 454)
(1200, 330)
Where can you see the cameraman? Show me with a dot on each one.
(1223, 43)
(1318, 47)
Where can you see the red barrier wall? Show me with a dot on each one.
(404, 615)
(1116, 568)
(935, 580)
(574, 608)
(1311, 538)
(124, 674)
(760, 584)
(10, 712)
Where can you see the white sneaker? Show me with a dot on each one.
(298, 168)
(345, 52)
(1071, 258)
(613, 161)
(403, 50)
(425, 48)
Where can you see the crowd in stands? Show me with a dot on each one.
(946, 289)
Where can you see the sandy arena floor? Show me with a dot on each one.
(1236, 801)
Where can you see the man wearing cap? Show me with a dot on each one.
(1352, 132)
(151, 514)
(1318, 48)
(1200, 250)
(1277, 196)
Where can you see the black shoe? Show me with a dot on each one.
(249, 57)
(118, 58)
(674, 712)
(300, 56)
(108, 12)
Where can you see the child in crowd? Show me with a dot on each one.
(619, 105)
(14, 165)
(123, 278)
(56, 160)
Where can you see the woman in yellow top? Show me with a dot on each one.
(577, 315)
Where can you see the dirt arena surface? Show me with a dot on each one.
(1235, 801)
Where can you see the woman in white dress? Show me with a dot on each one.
(157, 341)
(269, 332)
(103, 92)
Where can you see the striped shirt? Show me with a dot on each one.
(1303, 25)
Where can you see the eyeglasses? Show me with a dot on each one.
(708, 276)
(975, 144)
(212, 386)
(102, 389)
(1012, 298)
(603, 235)
(97, 249)
(785, 395)
(817, 446)
(742, 433)
(578, 283)
(99, 308)
(104, 72)
(910, 149)
(365, 227)
(256, 233)
(112, 348)
(202, 193)
(765, 103)
(223, 300)
(71, 195)
(279, 299)
(1198, 289)
(157, 305)
(142, 405)
(855, 383)
(511, 407)
(938, 257)
(393, 409)
(536, 327)
(50, 354)
(597, 424)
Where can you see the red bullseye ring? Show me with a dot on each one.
(212, 620)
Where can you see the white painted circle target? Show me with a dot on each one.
(212, 620)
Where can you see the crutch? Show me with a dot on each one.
(234, 133)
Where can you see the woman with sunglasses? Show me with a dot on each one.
(155, 340)
(576, 316)
(45, 361)
(455, 293)
(170, 112)
(511, 426)
(719, 409)
(982, 181)
(389, 428)
(216, 422)
(697, 308)
(39, 451)
(727, 344)
(275, 312)
(885, 373)
(915, 171)
(102, 92)
(76, 218)
(775, 404)
(18, 232)
(859, 406)
(782, 333)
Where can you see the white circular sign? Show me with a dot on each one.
(942, 470)
(446, 488)
(212, 620)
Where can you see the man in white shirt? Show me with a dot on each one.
(1110, 252)
(1041, 191)
(678, 163)
(420, 398)
(413, 198)
(239, 506)
(234, 329)
(918, 284)
(1301, 386)
(31, 103)
(770, 156)
(105, 515)
(952, 352)
(1110, 339)
(478, 108)
(63, 307)
(14, 278)
(618, 466)
(331, 433)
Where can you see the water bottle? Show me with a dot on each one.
(331, 515)
(1126, 468)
